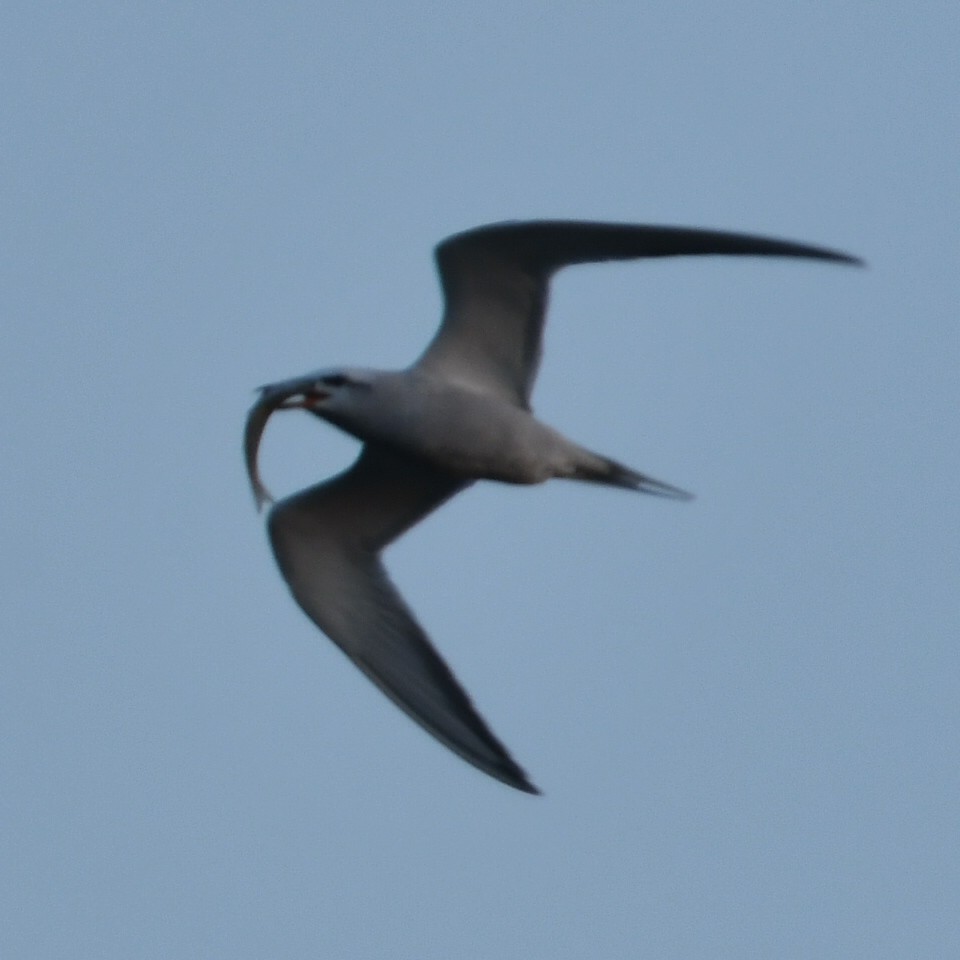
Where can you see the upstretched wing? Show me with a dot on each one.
(327, 540)
(495, 281)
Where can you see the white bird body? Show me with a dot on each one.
(461, 413)
(458, 428)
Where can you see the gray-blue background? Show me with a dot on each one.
(743, 711)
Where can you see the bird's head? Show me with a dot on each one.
(323, 393)
(330, 394)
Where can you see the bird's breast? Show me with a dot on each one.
(468, 433)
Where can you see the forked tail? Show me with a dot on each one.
(604, 470)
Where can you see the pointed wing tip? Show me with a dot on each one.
(515, 777)
(509, 772)
(848, 258)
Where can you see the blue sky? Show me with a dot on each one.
(743, 711)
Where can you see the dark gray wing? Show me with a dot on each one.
(327, 540)
(495, 280)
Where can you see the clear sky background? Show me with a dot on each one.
(744, 711)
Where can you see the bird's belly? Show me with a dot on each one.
(482, 442)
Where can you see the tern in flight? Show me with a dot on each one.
(460, 413)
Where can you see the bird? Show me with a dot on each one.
(460, 413)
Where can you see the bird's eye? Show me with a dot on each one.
(334, 380)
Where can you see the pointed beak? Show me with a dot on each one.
(304, 401)
(292, 395)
